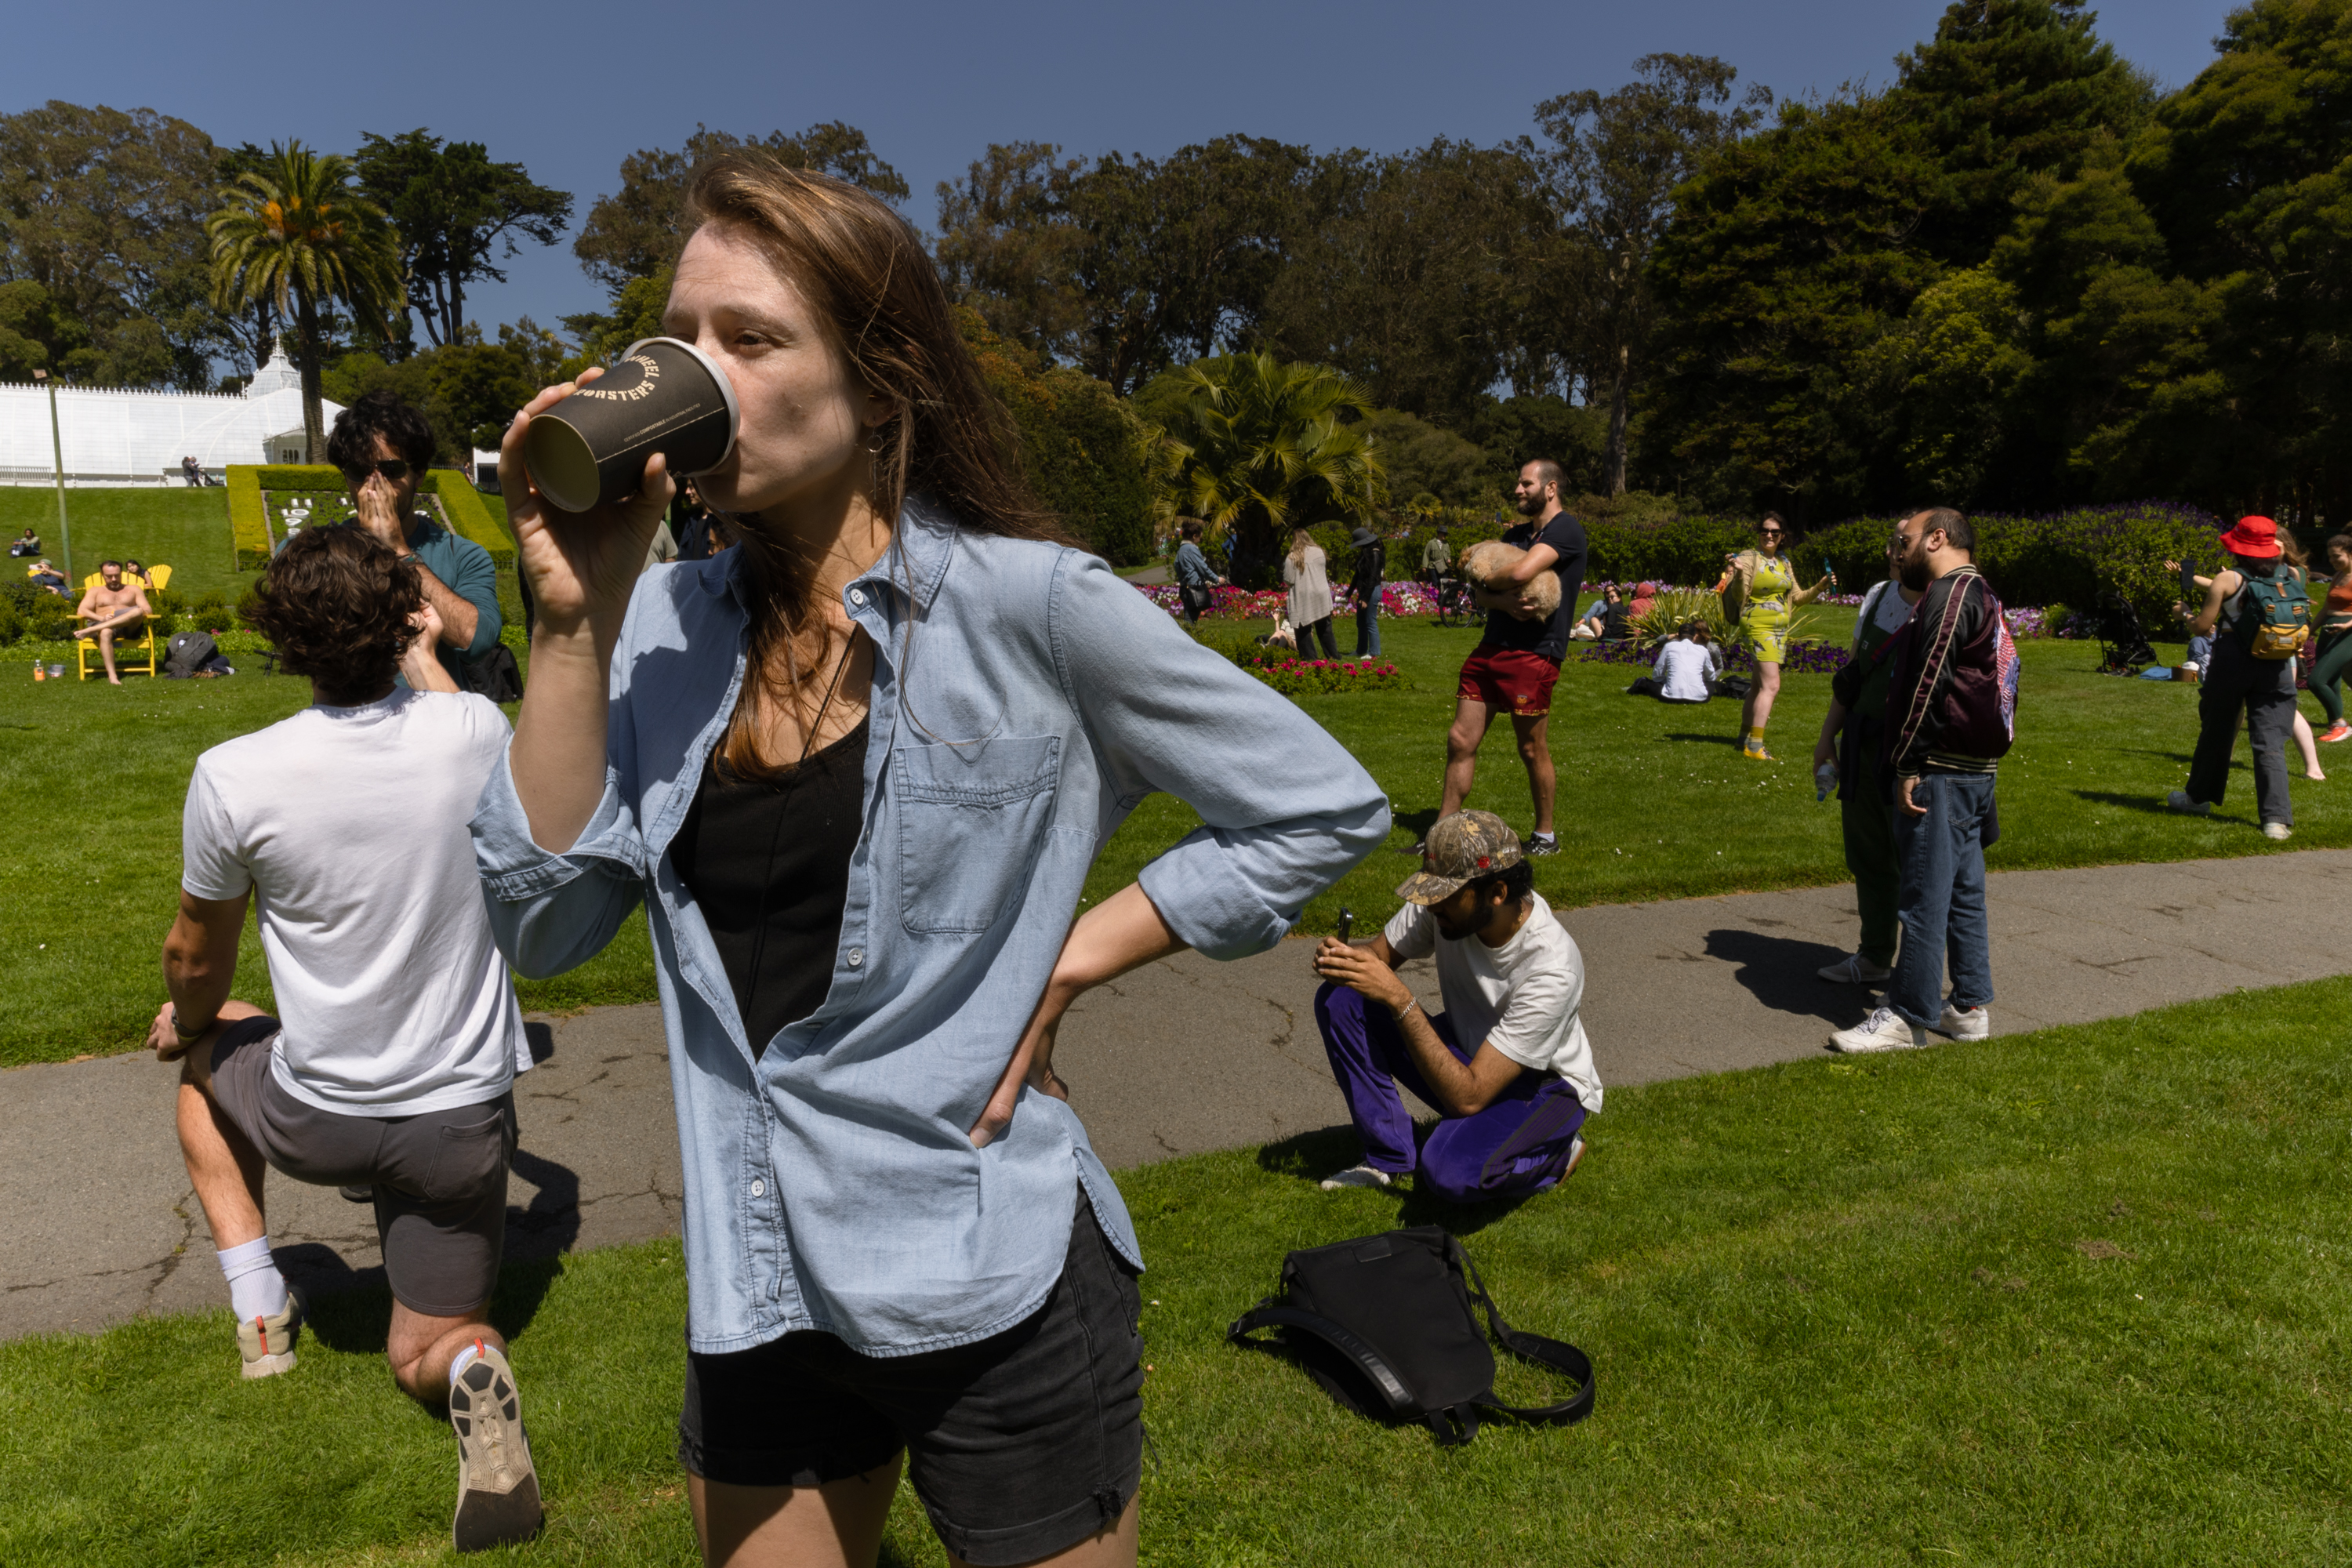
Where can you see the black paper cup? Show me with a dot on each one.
(664, 397)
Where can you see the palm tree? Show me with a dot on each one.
(1261, 446)
(297, 228)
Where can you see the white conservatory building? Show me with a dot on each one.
(113, 436)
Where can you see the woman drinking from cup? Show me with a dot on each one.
(856, 768)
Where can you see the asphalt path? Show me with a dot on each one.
(1184, 1056)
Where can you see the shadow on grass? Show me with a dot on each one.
(1311, 1156)
(2147, 806)
(1732, 740)
(1417, 823)
(1781, 971)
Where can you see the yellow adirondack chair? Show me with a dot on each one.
(139, 656)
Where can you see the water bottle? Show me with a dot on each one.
(1824, 781)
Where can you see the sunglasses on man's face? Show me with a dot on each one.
(391, 468)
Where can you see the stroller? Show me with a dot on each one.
(1455, 607)
(2123, 641)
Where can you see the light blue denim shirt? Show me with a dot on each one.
(1028, 703)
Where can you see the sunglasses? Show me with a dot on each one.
(1770, 533)
(391, 468)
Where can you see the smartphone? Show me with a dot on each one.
(1347, 924)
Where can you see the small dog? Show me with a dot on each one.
(1483, 562)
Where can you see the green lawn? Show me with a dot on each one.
(186, 529)
(1655, 803)
(2072, 1297)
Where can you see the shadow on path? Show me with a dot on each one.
(1781, 971)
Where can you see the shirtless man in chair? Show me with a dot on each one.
(116, 606)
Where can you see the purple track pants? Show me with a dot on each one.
(1518, 1144)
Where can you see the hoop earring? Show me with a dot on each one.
(874, 446)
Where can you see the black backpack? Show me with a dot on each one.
(1385, 1324)
(187, 653)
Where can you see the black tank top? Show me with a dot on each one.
(768, 865)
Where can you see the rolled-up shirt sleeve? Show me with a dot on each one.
(477, 583)
(551, 913)
(1287, 810)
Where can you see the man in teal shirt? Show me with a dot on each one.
(383, 445)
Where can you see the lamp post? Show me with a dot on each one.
(57, 451)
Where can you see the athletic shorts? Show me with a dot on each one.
(1021, 1445)
(1508, 677)
(440, 1177)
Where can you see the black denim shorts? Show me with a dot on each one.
(1020, 1446)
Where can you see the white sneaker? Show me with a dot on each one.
(2275, 831)
(2179, 800)
(1356, 1176)
(1855, 970)
(1975, 1023)
(1884, 1030)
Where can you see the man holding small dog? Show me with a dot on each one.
(1517, 662)
(1507, 1064)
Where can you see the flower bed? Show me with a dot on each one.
(1295, 677)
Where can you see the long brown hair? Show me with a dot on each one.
(864, 271)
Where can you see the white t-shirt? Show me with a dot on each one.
(1886, 605)
(1682, 670)
(1521, 998)
(349, 826)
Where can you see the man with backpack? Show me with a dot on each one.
(1951, 704)
(2259, 615)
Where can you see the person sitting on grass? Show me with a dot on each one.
(391, 1061)
(26, 543)
(116, 607)
(1507, 1064)
(1687, 666)
(44, 576)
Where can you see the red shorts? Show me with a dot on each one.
(1508, 677)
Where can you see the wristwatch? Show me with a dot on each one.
(185, 1035)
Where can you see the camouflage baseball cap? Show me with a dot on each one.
(1462, 847)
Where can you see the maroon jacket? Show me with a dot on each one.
(1945, 709)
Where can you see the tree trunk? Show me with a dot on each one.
(1620, 391)
(1255, 551)
(455, 320)
(306, 343)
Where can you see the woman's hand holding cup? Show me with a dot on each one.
(582, 566)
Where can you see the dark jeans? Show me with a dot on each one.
(1942, 904)
(1518, 1144)
(1368, 627)
(2263, 689)
(1314, 629)
(1869, 830)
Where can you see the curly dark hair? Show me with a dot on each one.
(337, 601)
(403, 424)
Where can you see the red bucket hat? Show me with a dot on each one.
(2255, 538)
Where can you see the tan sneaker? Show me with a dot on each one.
(497, 1490)
(267, 1343)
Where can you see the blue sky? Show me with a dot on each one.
(569, 90)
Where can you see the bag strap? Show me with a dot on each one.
(1268, 1314)
(1556, 1355)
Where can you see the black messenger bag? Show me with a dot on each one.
(1385, 1324)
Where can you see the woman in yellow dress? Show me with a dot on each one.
(1769, 592)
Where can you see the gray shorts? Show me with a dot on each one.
(440, 1177)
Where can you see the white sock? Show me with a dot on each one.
(256, 1289)
(1542, 837)
(464, 1359)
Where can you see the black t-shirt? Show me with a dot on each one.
(768, 865)
(1548, 639)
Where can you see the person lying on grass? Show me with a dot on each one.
(1511, 979)
(392, 1062)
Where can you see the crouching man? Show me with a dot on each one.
(1506, 1064)
(391, 1063)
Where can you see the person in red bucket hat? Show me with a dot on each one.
(2263, 613)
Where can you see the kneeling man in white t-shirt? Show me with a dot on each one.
(1506, 1063)
(390, 1064)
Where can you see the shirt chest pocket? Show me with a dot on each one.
(970, 820)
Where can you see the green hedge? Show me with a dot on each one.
(463, 503)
